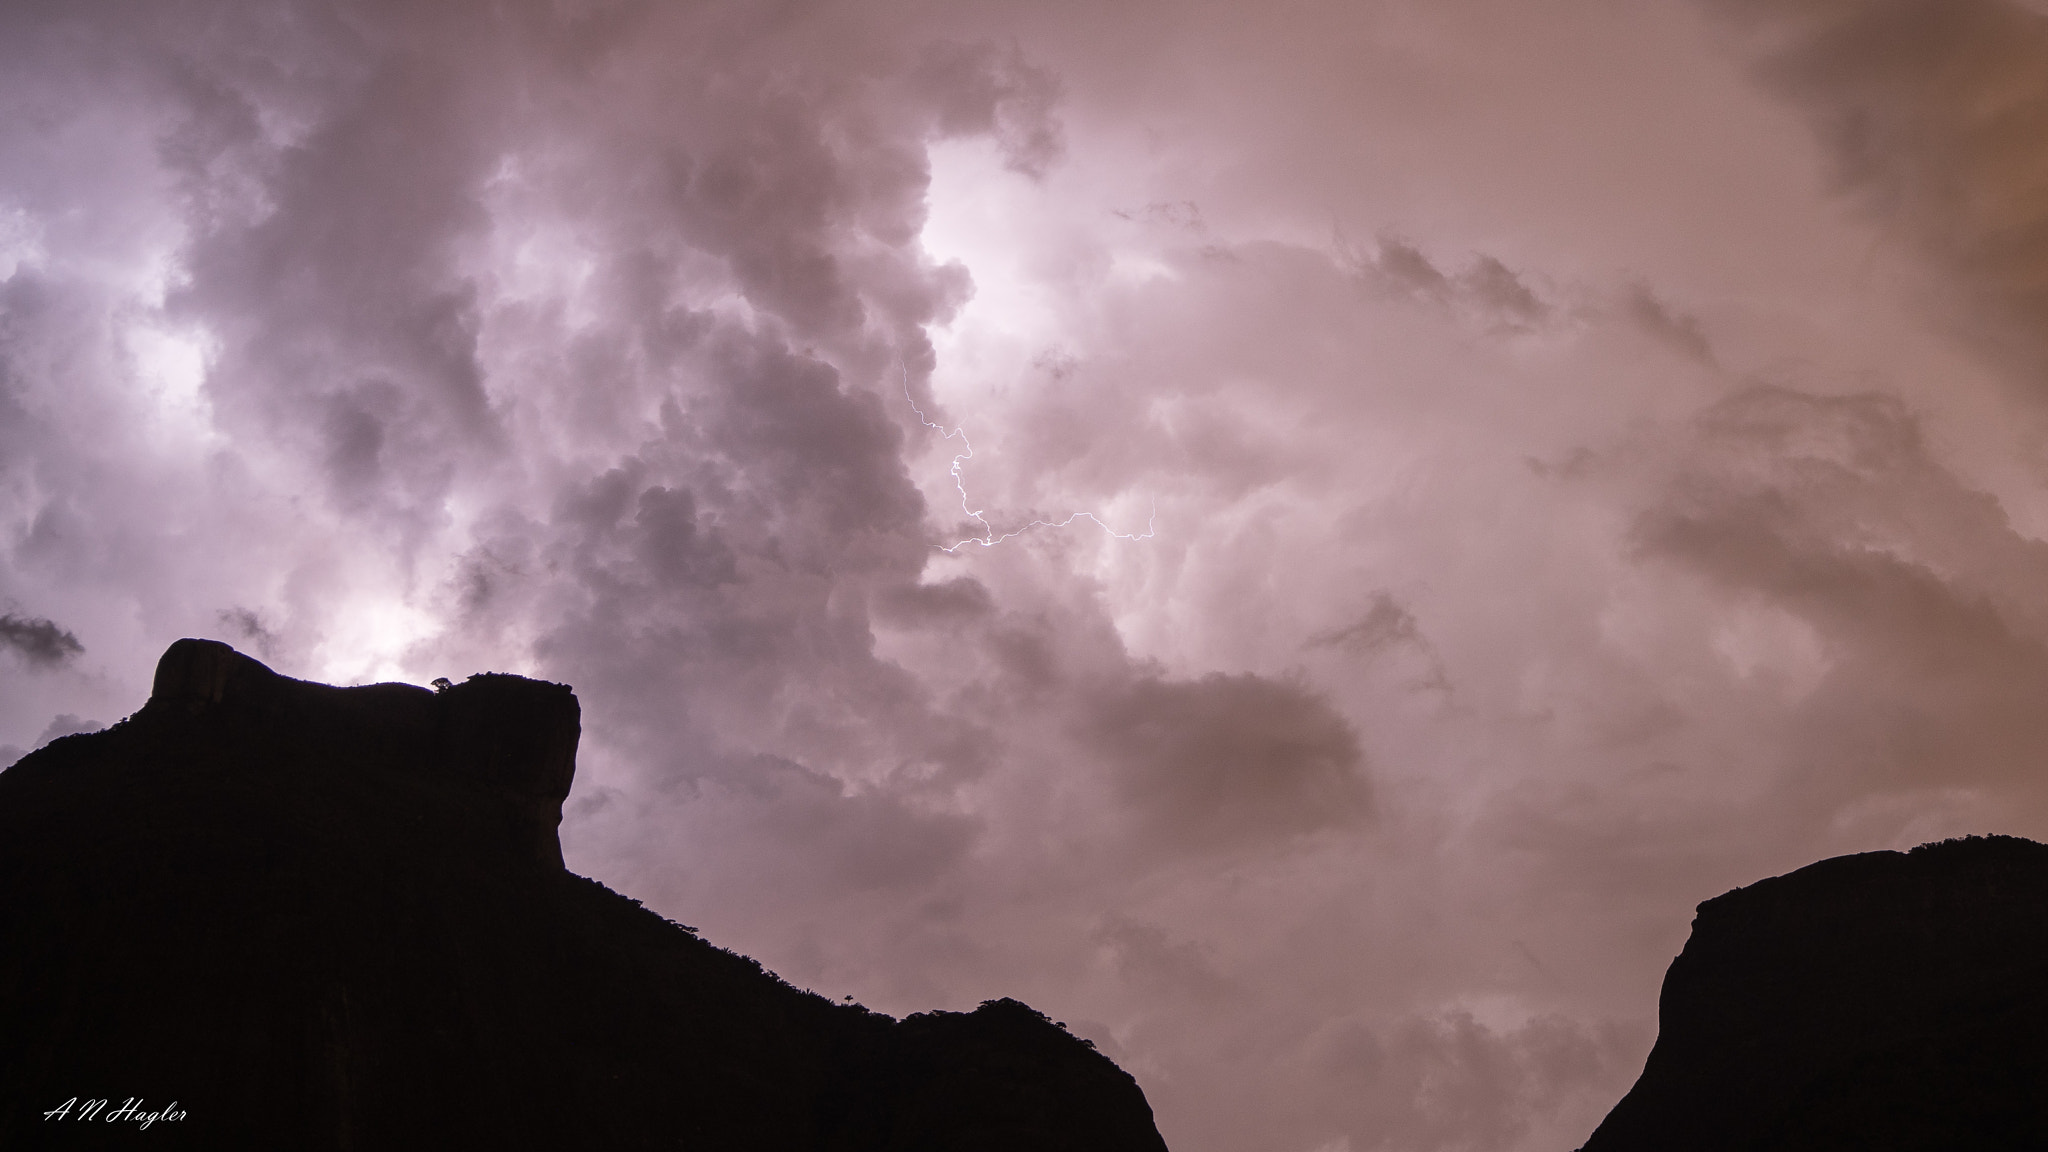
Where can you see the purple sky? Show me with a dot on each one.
(1593, 453)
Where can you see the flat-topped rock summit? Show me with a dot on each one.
(1884, 1001)
(511, 738)
(337, 918)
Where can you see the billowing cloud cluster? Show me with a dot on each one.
(1543, 468)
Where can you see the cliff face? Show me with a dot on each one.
(337, 918)
(1881, 1001)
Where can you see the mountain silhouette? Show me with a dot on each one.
(306, 917)
(1880, 1002)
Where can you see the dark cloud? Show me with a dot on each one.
(671, 545)
(1498, 290)
(982, 89)
(1486, 289)
(1676, 330)
(39, 642)
(867, 839)
(1182, 215)
(1388, 628)
(1830, 509)
(1229, 759)
(248, 631)
(961, 599)
(1400, 265)
(1935, 114)
(1386, 624)
(347, 323)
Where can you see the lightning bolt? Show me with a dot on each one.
(988, 537)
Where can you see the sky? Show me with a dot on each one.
(1300, 538)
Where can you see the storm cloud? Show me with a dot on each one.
(1542, 466)
(39, 642)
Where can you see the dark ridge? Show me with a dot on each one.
(337, 918)
(1879, 1002)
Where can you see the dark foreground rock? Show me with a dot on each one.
(337, 918)
(1879, 1002)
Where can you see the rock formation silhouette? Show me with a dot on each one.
(337, 918)
(1879, 1002)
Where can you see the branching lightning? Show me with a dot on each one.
(988, 537)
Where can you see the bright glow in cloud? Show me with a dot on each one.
(371, 641)
(170, 365)
(20, 241)
(973, 206)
